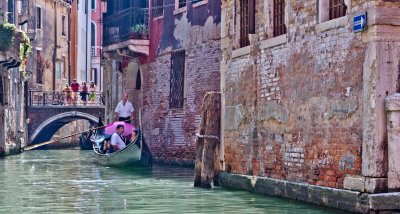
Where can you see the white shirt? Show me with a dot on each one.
(124, 110)
(116, 141)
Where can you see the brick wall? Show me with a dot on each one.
(293, 109)
(171, 132)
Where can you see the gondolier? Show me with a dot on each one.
(124, 110)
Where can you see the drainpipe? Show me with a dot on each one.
(18, 106)
(69, 45)
(55, 46)
(87, 35)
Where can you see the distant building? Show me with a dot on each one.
(96, 26)
(48, 27)
(81, 40)
(165, 55)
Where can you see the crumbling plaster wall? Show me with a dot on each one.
(294, 110)
(171, 132)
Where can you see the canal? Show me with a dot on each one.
(69, 181)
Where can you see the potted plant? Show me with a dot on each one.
(6, 36)
(136, 31)
(145, 31)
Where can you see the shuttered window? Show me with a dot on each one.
(279, 18)
(337, 8)
(244, 23)
(177, 79)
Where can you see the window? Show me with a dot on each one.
(181, 3)
(158, 9)
(279, 18)
(10, 11)
(337, 8)
(138, 85)
(195, 1)
(63, 22)
(93, 4)
(331, 9)
(244, 23)
(40, 67)
(93, 34)
(38, 18)
(58, 70)
(93, 76)
(177, 79)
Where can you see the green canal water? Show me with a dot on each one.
(69, 181)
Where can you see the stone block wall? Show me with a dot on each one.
(294, 103)
(170, 133)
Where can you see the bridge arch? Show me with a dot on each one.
(46, 130)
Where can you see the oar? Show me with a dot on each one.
(27, 148)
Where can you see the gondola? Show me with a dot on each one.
(84, 141)
(136, 153)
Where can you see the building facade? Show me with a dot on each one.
(96, 27)
(166, 58)
(303, 93)
(81, 40)
(48, 23)
(13, 80)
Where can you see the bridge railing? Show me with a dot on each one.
(59, 98)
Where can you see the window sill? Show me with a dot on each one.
(180, 10)
(269, 43)
(158, 18)
(332, 24)
(198, 4)
(241, 52)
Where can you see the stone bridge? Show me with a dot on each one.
(46, 118)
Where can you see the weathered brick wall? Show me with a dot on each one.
(171, 132)
(293, 111)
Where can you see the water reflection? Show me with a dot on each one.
(71, 182)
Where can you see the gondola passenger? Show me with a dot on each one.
(117, 141)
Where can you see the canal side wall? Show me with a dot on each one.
(308, 106)
(324, 196)
(195, 29)
(13, 129)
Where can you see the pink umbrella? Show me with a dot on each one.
(111, 128)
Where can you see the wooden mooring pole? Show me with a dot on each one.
(207, 143)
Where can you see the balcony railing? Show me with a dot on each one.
(132, 23)
(59, 98)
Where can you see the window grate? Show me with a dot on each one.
(158, 8)
(182, 3)
(337, 8)
(177, 79)
(279, 18)
(244, 23)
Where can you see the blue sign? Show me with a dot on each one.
(360, 22)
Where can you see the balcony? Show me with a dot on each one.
(127, 29)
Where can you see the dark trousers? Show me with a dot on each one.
(125, 119)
